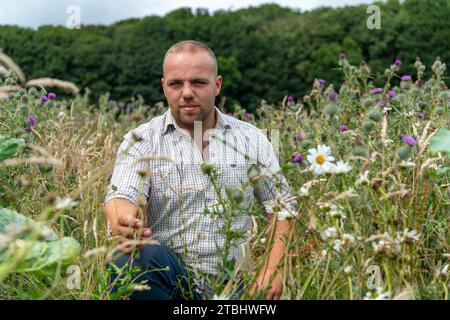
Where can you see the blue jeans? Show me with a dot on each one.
(164, 272)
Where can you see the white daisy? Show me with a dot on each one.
(341, 167)
(65, 203)
(320, 159)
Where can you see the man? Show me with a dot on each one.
(159, 168)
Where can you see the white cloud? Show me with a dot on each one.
(32, 13)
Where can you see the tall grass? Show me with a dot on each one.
(380, 230)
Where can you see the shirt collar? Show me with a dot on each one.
(170, 124)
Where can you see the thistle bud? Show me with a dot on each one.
(375, 115)
(361, 152)
(404, 152)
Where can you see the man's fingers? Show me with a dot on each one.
(131, 222)
(146, 233)
(126, 232)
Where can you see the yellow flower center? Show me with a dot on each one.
(320, 159)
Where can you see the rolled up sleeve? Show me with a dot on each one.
(126, 181)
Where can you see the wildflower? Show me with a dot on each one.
(321, 81)
(337, 245)
(262, 240)
(420, 115)
(51, 95)
(320, 159)
(112, 102)
(329, 233)
(337, 212)
(44, 99)
(341, 167)
(409, 140)
(290, 99)
(332, 95)
(298, 137)
(297, 158)
(363, 179)
(392, 94)
(348, 239)
(441, 271)
(303, 192)
(406, 78)
(385, 245)
(377, 90)
(285, 214)
(65, 203)
(348, 269)
(398, 62)
(220, 297)
(31, 120)
(378, 295)
(381, 103)
(248, 115)
(342, 56)
(408, 236)
(343, 128)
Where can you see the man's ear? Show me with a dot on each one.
(218, 85)
(162, 84)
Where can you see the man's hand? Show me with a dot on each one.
(130, 228)
(121, 216)
(263, 281)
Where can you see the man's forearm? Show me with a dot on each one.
(279, 247)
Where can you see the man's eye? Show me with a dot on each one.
(174, 84)
(199, 83)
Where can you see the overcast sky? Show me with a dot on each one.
(33, 13)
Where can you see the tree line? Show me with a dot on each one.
(264, 52)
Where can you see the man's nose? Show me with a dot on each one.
(188, 93)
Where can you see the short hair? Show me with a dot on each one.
(191, 46)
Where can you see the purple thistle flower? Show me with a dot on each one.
(420, 115)
(332, 95)
(342, 56)
(377, 90)
(398, 62)
(409, 140)
(392, 94)
(298, 137)
(343, 128)
(248, 115)
(381, 103)
(290, 99)
(32, 121)
(297, 158)
(321, 81)
(44, 99)
(51, 95)
(406, 78)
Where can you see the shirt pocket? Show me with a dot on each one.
(235, 175)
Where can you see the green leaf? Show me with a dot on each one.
(8, 147)
(441, 141)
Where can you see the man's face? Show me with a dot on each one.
(190, 86)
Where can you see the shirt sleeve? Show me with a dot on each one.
(272, 190)
(126, 181)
